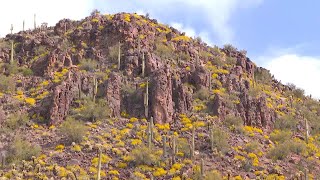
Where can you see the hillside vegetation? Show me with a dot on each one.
(125, 97)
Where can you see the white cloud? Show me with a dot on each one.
(15, 11)
(188, 30)
(213, 15)
(300, 70)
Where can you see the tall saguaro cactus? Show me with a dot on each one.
(34, 21)
(99, 164)
(149, 133)
(174, 148)
(143, 64)
(119, 55)
(23, 23)
(307, 130)
(146, 100)
(210, 77)
(11, 56)
(95, 88)
(192, 142)
(202, 168)
(164, 144)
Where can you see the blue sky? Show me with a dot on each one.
(279, 35)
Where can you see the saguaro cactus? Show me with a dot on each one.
(164, 145)
(152, 126)
(34, 21)
(119, 56)
(202, 168)
(23, 23)
(11, 56)
(95, 88)
(211, 139)
(306, 174)
(149, 132)
(146, 100)
(99, 164)
(143, 65)
(192, 142)
(174, 148)
(210, 77)
(307, 131)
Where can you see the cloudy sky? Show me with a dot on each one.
(279, 35)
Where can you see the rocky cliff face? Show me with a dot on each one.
(176, 66)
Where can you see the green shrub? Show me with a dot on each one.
(164, 51)
(92, 111)
(220, 140)
(202, 94)
(280, 136)
(11, 68)
(252, 147)
(114, 53)
(183, 146)
(26, 71)
(73, 130)
(286, 122)
(7, 84)
(145, 156)
(263, 76)
(234, 123)
(21, 149)
(213, 175)
(88, 65)
(16, 121)
(297, 147)
(279, 152)
(297, 92)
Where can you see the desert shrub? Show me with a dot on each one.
(26, 71)
(263, 76)
(183, 146)
(114, 53)
(252, 147)
(92, 111)
(130, 93)
(21, 149)
(297, 92)
(7, 84)
(230, 48)
(4, 44)
(234, 123)
(220, 139)
(184, 56)
(202, 94)
(279, 152)
(88, 65)
(286, 122)
(164, 51)
(280, 136)
(11, 68)
(282, 150)
(17, 120)
(144, 156)
(231, 60)
(254, 91)
(40, 50)
(213, 175)
(297, 147)
(73, 130)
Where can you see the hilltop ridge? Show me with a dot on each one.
(125, 81)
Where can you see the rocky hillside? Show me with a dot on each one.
(125, 97)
